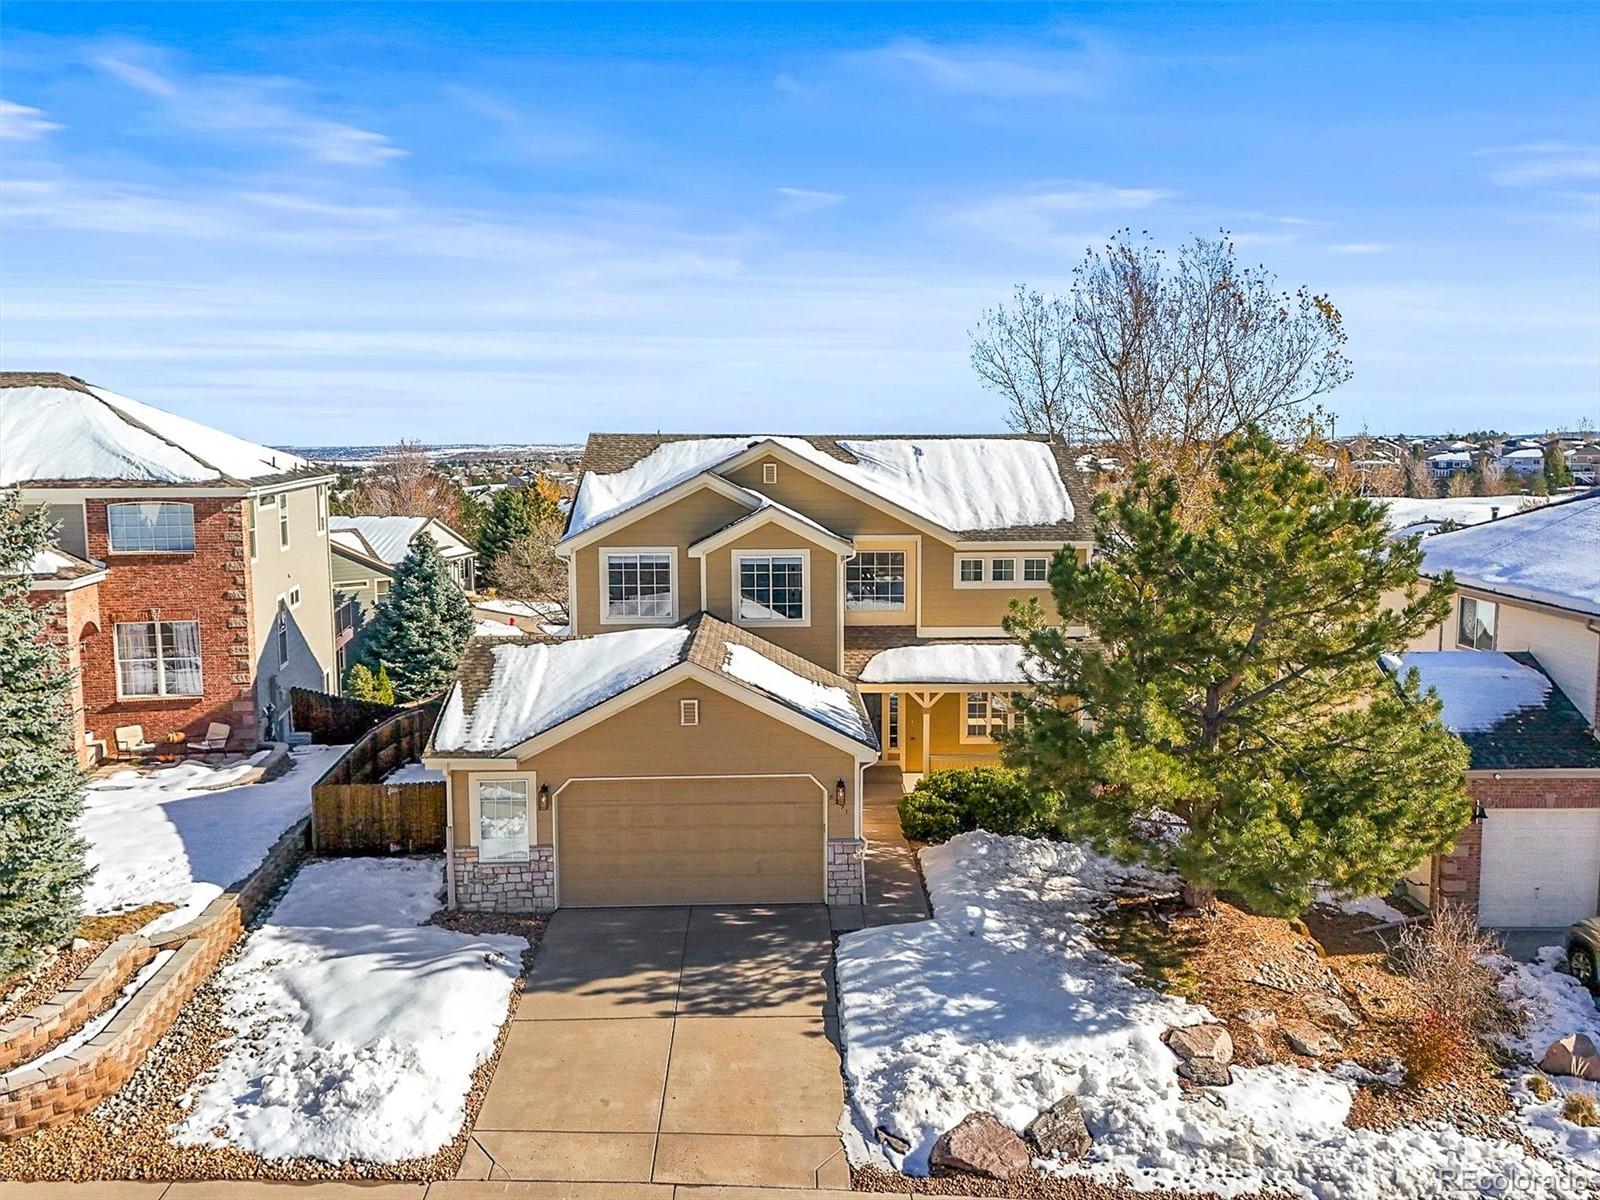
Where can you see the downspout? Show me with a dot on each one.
(449, 840)
(1593, 626)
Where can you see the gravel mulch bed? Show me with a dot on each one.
(126, 1137)
(94, 935)
(1031, 1185)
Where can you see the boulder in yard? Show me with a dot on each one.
(981, 1145)
(1573, 1055)
(1207, 1072)
(1201, 1041)
(1329, 1011)
(1258, 1020)
(1305, 1038)
(1059, 1129)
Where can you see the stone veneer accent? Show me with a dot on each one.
(847, 878)
(506, 887)
(71, 1084)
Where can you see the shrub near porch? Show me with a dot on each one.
(997, 799)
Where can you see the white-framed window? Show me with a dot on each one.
(250, 507)
(638, 585)
(1003, 570)
(969, 570)
(380, 587)
(160, 527)
(770, 588)
(268, 501)
(283, 521)
(1035, 570)
(294, 596)
(322, 509)
(1000, 571)
(281, 631)
(158, 658)
(769, 472)
(986, 714)
(875, 581)
(503, 820)
(892, 730)
(1476, 626)
(688, 712)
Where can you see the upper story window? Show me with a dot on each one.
(1035, 570)
(772, 587)
(251, 508)
(158, 658)
(151, 528)
(1475, 630)
(970, 570)
(1003, 570)
(875, 581)
(638, 585)
(322, 508)
(283, 521)
(283, 634)
(1000, 570)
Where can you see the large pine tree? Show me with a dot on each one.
(1227, 717)
(42, 871)
(517, 513)
(421, 626)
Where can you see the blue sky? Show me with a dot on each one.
(317, 223)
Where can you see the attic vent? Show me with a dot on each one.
(688, 712)
(769, 472)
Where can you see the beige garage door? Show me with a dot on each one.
(702, 841)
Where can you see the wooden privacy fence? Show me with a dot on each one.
(354, 812)
(332, 720)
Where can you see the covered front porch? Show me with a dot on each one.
(926, 729)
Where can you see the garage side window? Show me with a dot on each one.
(503, 820)
(1476, 631)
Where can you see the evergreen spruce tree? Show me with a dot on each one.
(421, 626)
(1556, 472)
(360, 684)
(42, 871)
(1227, 716)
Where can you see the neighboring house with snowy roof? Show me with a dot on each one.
(878, 568)
(213, 596)
(1526, 620)
(366, 553)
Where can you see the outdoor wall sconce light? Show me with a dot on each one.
(1479, 813)
(544, 797)
(838, 793)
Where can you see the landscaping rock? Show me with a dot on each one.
(1258, 1020)
(1573, 1055)
(981, 1145)
(1329, 1011)
(1207, 1072)
(1201, 1041)
(1305, 1038)
(892, 1140)
(1059, 1129)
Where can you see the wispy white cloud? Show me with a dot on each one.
(1536, 164)
(1361, 247)
(24, 123)
(266, 109)
(999, 73)
(797, 202)
(1063, 216)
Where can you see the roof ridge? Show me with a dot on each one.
(161, 437)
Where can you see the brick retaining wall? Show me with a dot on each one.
(71, 1084)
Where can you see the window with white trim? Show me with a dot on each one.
(503, 825)
(987, 713)
(638, 587)
(875, 581)
(894, 720)
(283, 633)
(294, 596)
(158, 658)
(150, 527)
(322, 508)
(772, 587)
(688, 712)
(1003, 570)
(250, 507)
(283, 521)
(972, 570)
(1035, 570)
(1475, 628)
(380, 587)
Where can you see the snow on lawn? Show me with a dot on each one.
(1555, 1004)
(1001, 1003)
(356, 1027)
(181, 835)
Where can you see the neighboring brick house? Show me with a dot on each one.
(69, 588)
(214, 594)
(830, 579)
(1518, 664)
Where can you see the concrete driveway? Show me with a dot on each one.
(671, 1045)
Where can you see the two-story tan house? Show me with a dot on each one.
(754, 622)
(192, 584)
(1518, 667)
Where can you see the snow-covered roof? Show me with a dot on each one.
(1408, 516)
(992, 664)
(1478, 688)
(56, 429)
(963, 484)
(389, 538)
(508, 691)
(1547, 554)
(53, 567)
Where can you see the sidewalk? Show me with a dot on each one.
(442, 1190)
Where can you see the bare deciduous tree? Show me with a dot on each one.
(1162, 358)
(1418, 478)
(530, 569)
(405, 483)
(1385, 480)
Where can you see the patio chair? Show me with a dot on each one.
(216, 738)
(131, 743)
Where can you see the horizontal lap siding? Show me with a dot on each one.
(817, 642)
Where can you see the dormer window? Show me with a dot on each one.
(150, 528)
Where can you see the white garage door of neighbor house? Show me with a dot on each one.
(714, 841)
(1541, 867)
